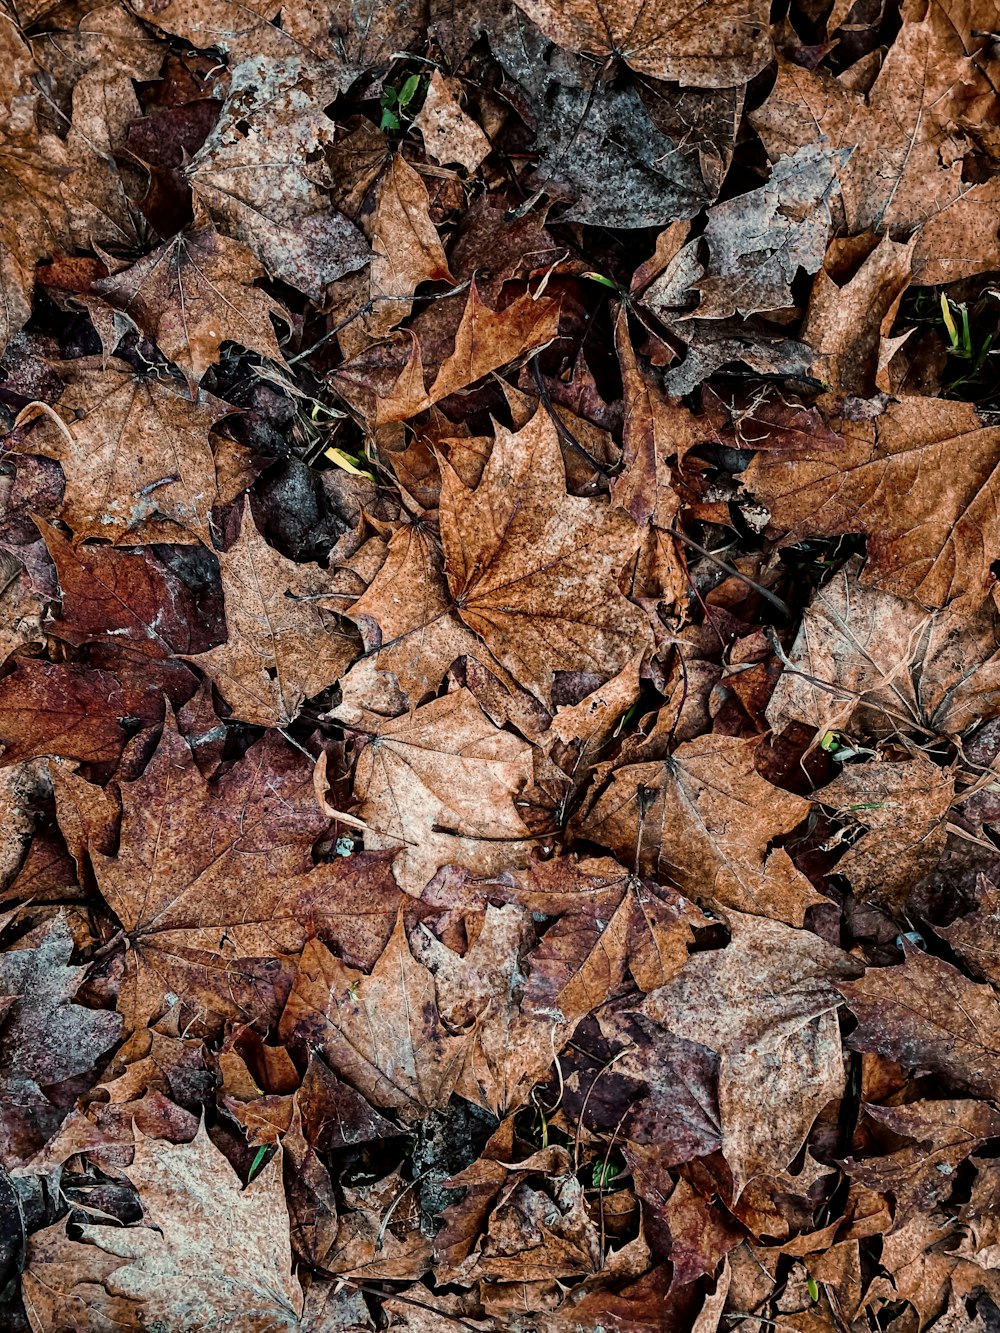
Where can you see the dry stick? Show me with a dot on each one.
(390, 1296)
(560, 425)
(367, 308)
(731, 569)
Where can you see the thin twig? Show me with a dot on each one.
(731, 569)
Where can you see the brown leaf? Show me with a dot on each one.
(205, 880)
(918, 1176)
(406, 251)
(112, 594)
(902, 810)
(136, 455)
(485, 340)
(207, 1248)
(380, 1033)
(925, 1014)
(704, 818)
(867, 660)
(920, 481)
(904, 169)
(281, 646)
(848, 323)
(439, 786)
(676, 41)
(191, 295)
(449, 134)
(531, 570)
(976, 937)
(767, 1004)
(254, 176)
(61, 709)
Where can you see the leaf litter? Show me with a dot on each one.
(500, 703)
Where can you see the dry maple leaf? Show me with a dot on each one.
(758, 241)
(45, 1038)
(903, 811)
(439, 786)
(135, 452)
(704, 819)
(918, 1175)
(57, 708)
(449, 134)
(906, 157)
(879, 664)
(532, 570)
(205, 878)
(191, 295)
(282, 647)
(111, 594)
(209, 1252)
(260, 175)
(381, 1033)
(677, 40)
(926, 1015)
(406, 251)
(529, 588)
(485, 340)
(34, 220)
(512, 1031)
(767, 1004)
(921, 481)
(849, 324)
(975, 937)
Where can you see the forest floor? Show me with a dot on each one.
(500, 697)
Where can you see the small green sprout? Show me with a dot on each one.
(605, 282)
(812, 1289)
(604, 1174)
(394, 102)
(257, 1162)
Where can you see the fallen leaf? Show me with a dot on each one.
(925, 1014)
(282, 647)
(937, 462)
(381, 1033)
(902, 813)
(449, 134)
(136, 455)
(204, 881)
(757, 242)
(523, 561)
(767, 1003)
(194, 293)
(46, 1038)
(253, 178)
(484, 341)
(439, 788)
(904, 168)
(704, 819)
(869, 661)
(676, 41)
(207, 1248)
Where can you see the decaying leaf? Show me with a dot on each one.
(439, 787)
(380, 1033)
(940, 463)
(676, 41)
(135, 452)
(207, 1249)
(704, 819)
(281, 646)
(774, 1026)
(194, 293)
